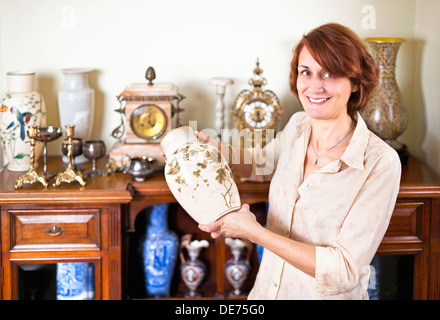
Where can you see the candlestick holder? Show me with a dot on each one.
(31, 176)
(70, 174)
(220, 89)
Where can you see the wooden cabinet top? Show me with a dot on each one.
(418, 180)
(104, 189)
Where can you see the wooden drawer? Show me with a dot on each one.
(406, 222)
(48, 230)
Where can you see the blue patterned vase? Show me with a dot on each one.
(159, 252)
(75, 281)
(259, 247)
(374, 283)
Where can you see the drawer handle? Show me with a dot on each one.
(54, 231)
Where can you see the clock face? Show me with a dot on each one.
(148, 121)
(258, 114)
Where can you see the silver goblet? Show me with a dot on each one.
(93, 150)
(77, 145)
(46, 134)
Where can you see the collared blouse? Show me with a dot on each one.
(343, 209)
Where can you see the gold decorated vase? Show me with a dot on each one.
(386, 114)
(199, 176)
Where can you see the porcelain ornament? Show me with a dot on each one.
(199, 177)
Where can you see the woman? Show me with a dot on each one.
(334, 184)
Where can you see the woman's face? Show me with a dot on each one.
(322, 95)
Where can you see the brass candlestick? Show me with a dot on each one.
(69, 175)
(31, 176)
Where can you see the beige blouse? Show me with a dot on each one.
(343, 209)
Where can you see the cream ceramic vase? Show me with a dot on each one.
(21, 106)
(198, 176)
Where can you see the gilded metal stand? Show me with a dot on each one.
(69, 175)
(31, 176)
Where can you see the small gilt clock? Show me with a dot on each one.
(146, 112)
(256, 111)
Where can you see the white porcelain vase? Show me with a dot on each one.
(76, 104)
(198, 176)
(21, 106)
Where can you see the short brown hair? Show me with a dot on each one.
(339, 51)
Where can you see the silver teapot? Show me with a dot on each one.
(140, 168)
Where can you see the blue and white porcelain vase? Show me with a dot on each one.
(192, 270)
(159, 249)
(237, 268)
(75, 281)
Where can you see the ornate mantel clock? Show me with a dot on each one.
(256, 111)
(145, 118)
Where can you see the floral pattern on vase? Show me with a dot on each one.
(385, 114)
(21, 106)
(159, 249)
(199, 177)
(75, 281)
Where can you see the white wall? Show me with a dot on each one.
(423, 134)
(190, 41)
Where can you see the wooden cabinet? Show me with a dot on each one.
(53, 228)
(42, 227)
(408, 234)
(101, 224)
(35, 234)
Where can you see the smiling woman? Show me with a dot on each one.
(322, 95)
(335, 183)
(340, 53)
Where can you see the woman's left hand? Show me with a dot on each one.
(239, 224)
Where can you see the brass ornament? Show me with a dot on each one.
(150, 75)
(31, 176)
(256, 111)
(70, 174)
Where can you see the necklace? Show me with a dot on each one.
(319, 155)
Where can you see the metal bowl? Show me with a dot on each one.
(48, 133)
(94, 149)
(77, 145)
